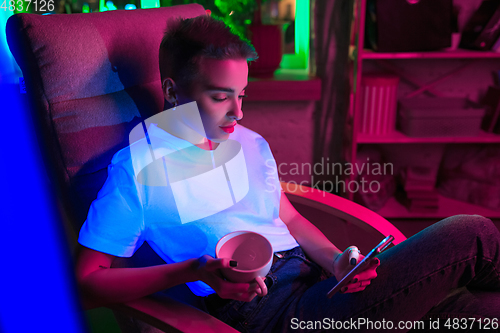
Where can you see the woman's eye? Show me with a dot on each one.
(219, 98)
(223, 98)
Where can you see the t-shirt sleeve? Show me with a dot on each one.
(115, 222)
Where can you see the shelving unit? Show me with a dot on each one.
(354, 138)
(398, 137)
(447, 207)
(454, 54)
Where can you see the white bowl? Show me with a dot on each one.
(252, 251)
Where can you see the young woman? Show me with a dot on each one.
(198, 175)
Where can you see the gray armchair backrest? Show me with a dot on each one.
(90, 78)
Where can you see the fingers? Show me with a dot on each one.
(342, 264)
(256, 288)
(354, 254)
(212, 264)
(346, 258)
(370, 272)
(363, 279)
(375, 262)
(238, 291)
(245, 297)
(262, 286)
(355, 287)
(241, 291)
(227, 289)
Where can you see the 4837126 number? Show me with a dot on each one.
(467, 323)
(24, 6)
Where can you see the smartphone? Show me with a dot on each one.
(359, 267)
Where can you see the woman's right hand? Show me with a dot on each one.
(342, 266)
(209, 272)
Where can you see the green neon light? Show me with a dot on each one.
(299, 60)
(105, 6)
(150, 3)
(20, 7)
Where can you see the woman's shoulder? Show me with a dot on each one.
(244, 133)
(252, 141)
(155, 142)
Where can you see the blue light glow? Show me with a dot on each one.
(41, 294)
(9, 71)
(110, 5)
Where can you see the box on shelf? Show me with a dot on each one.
(420, 194)
(408, 26)
(424, 117)
(379, 103)
(472, 174)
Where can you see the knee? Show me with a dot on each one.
(473, 224)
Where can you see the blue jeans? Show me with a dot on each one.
(448, 270)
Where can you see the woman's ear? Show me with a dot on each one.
(169, 91)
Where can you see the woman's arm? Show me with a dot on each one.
(309, 237)
(102, 285)
(321, 250)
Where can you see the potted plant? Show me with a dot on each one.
(267, 40)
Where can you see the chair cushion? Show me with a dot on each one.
(90, 79)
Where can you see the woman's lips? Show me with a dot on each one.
(228, 129)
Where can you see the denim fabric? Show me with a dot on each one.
(450, 269)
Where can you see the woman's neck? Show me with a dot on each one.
(207, 145)
(185, 123)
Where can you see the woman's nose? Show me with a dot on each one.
(236, 113)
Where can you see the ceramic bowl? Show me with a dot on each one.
(251, 250)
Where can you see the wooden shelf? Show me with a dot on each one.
(285, 85)
(422, 82)
(398, 137)
(455, 54)
(447, 207)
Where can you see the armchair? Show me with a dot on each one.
(90, 78)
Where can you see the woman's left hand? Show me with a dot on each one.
(342, 266)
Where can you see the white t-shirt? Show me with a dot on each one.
(182, 199)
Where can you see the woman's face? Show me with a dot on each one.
(218, 93)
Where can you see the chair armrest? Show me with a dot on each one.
(342, 208)
(170, 315)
